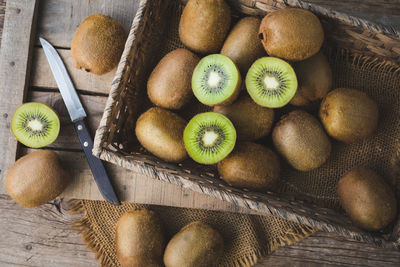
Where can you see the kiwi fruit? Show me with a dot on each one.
(315, 79)
(300, 138)
(349, 115)
(36, 178)
(98, 44)
(209, 137)
(367, 199)
(251, 121)
(293, 34)
(204, 25)
(160, 131)
(139, 239)
(271, 82)
(250, 166)
(216, 80)
(169, 85)
(195, 245)
(35, 124)
(243, 45)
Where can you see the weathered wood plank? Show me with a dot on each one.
(67, 139)
(43, 237)
(42, 76)
(15, 59)
(133, 187)
(58, 19)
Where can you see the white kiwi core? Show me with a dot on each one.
(214, 79)
(209, 138)
(35, 125)
(271, 82)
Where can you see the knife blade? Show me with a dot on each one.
(78, 115)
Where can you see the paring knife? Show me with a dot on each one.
(78, 115)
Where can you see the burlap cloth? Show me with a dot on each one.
(249, 238)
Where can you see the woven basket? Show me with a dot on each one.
(152, 36)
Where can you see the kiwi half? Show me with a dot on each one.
(35, 124)
(209, 137)
(216, 80)
(271, 82)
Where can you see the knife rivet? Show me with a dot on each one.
(85, 144)
(79, 127)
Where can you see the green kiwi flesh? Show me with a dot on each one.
(216, 80)
(251, 121)
(271, 82)
(35, 124)
(209, 137)
(367, 199)
(250, 165)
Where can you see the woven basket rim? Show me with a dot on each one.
(107, 154)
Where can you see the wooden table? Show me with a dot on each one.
(42, 236)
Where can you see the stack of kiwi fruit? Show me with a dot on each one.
(242, 76)
(140, 240)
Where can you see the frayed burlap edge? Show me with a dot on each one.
(84, 227)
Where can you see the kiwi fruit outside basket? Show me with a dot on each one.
(35, 124)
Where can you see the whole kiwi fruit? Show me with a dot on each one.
(169, 85)
(195, 245)
(160, 131)
(314, 76)
(243, 45)
(367, 199)
(251, 121)
(204, 25)
(36, 178)
(98, 44)
(349, 115)
(292, 33)
(301, 139)
(139, 239)
(250, 165)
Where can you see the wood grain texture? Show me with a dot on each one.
(15, 59)
(43, 237)
(58, 19)
(42, 77)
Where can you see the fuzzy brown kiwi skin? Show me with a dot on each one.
(98, 44)
(169, 85)
(36, 178)
(292, 34)
(243, 45)
(204, 25)
(139, 239)
(300, 138)
(251, 121)
(160, 131)
(250, 166)
(315, 79)
(195, 245)
(349, 115)
(367, 199)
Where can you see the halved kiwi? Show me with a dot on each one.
(35, 124)
(271, 82)
(216, 80)
(209, 137)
